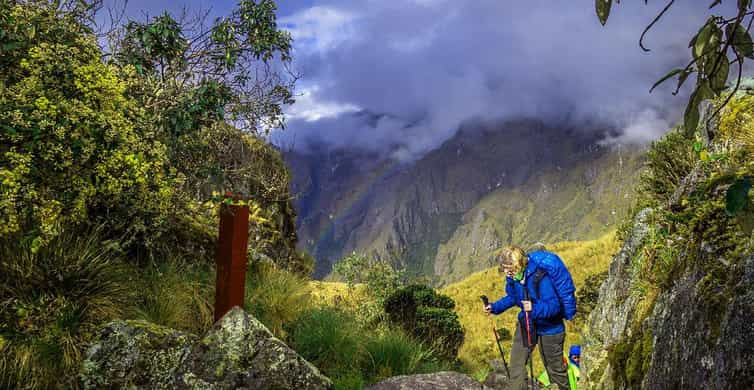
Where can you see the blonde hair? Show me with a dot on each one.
(512, 255)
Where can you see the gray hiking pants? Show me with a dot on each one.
(551, 350)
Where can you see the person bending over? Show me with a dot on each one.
(530, 284)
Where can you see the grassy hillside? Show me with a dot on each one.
(583, 258)
(583, 202)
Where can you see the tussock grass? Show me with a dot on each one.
(583, 258)
(52, 298)
(392, 352)
(353, 355)
(177, 294)
(329, 339)
(275, 297)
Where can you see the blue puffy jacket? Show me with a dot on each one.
(548, 308)
(561, 279)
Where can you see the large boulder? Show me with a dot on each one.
(239, 352)
(436, 381)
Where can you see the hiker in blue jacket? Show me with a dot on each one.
(541, 286)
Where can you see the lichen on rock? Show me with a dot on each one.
(435, 381)
(238, 352)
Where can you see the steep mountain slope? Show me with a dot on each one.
(581, 202)
(553, 183)
(676, 309)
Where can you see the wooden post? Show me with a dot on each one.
(231, 257)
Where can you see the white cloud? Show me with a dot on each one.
(320, 28)
(310, 108)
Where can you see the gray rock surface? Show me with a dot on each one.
(436, 381)
(695, 348)
(700, 330)
(239, 352)
(612, 315)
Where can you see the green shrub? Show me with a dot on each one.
(70, 153)
(427, 315)
(274, 296)
(393, 352)
(588, 295)
(177, 294)
(440, 327)
(669, 160)
(51, 301)
(349, 382)
(380, 279)
(330, 339)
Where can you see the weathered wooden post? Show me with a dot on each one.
(231, 256)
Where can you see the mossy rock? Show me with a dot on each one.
(238, 352)
(135, 353)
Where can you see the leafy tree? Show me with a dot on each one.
(236, 68)
(720, 43)
(211, 90)
(69, 150)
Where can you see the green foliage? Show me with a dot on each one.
(330, 339)
(589, 293)
(52, 298)
(737, 196)
(668, 161)
(225, 66)
(197, 80)
(696, 231)
(380, 278)
(136, 146)
(275, 297)
(149, 46)
(177, 294)
(354, 355)
(427, 315)
(70, 153)
(392, 352)
(630, 358)
(712, 47)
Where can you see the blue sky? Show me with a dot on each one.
(424, 67)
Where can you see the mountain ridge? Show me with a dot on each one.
(403, 212)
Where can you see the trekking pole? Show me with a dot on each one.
(486, 302)
(528, 337)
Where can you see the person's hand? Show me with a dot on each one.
(527, 305)
(488, 309)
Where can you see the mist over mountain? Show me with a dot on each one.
(428, 67)
(412, 213)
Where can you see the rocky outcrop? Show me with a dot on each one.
(238, 352)
(611, 317)
(676, 309)
(435, 381)
(696, 348)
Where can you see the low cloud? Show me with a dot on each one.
(402, 78)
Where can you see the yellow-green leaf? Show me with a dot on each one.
(603, 9)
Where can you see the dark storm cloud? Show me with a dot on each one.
(430, 65)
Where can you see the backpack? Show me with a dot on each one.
(550, 264)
